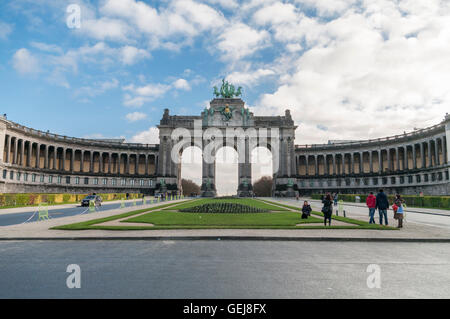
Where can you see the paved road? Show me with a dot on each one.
(223, 269)
(57, 212)
(427, 217)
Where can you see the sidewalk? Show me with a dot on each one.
(40, 231)
(27, 209)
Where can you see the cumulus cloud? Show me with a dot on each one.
(150, 136)
(181, 84)
(130, 54)
(24, 62)
(377, 71)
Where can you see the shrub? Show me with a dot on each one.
(226, 208)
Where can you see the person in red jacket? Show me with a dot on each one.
(371, 202)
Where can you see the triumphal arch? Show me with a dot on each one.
(227, 122)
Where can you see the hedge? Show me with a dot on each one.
(411, 200)
(29, 199)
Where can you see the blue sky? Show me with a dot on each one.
(335, 64)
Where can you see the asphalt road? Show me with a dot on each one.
(18, 218)
(223, 269)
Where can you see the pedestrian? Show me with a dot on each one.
(335, 198)
(382, 205)
(399, 212)
(371, 203)
(327, 209)
(306, 210)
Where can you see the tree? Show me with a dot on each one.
(263, 187)
(189, 187)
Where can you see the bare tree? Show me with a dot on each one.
(263, 187)
(189, 187)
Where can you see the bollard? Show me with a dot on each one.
(122, 203)
(91, 206)
(344, 214)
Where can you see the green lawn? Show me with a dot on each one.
(167, 216)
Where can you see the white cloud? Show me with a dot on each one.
(369, 73)
(150, 136)
(240, 40)
(249, 77)
(24, 62)
(135, 116)
(181, 84)
(5, 30)
(276, 13)
(97, 88)
(130, 54)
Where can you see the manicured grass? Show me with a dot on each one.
(87, 224)
(244, 201)
(170, 218)
(167, 218)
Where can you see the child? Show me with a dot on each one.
(306, 210)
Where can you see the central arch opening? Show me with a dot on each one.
(226, 171)
(262, 171)
(191, 171)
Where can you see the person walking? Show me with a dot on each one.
(327, 209)
(335, 198)
(399, 213)
(382, 204)
(371, 202)
(306, 210)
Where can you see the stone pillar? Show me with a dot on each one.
(109, 163)
(436, 152)
(146, 164)
(63, 159)
(38, 149)
(447, 138)
(14, 161)
(127, 164)
(334, 164)
(55, 156)
(397, 159)
(46, 159)
(352, 163)
(100, 163)
(316, 164)
(430, 162)
(306, 165)
(414, 155)
(388, 153)
(22, 153)
(422, 155)
(370, 162)
(380, 161)
(91, 161)
(72, 160)
(119, 155)
(30, 148)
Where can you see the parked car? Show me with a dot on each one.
(97, 200)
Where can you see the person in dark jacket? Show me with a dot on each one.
(327, 209)
(382, 204)
(306, 210)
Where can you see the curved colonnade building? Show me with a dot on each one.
(36, 161)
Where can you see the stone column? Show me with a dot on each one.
(55, 155)
(30, 147)
(91, 161)
(380, 161)
(109, 163)
(8, 148)
(119, 155)
(307, 165)
(100, 163)
(63, 159)
(22, 153)
(430, 162)
(436, 152)
(72, 160)
(146, 164)
(352, 163)
(46, 159)
(389, 165)
(422, 155)
(14, 161)
(316, 164)
(127, 164)
(334, 164)
(38, 150)
(414, 155)
(370, 162)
